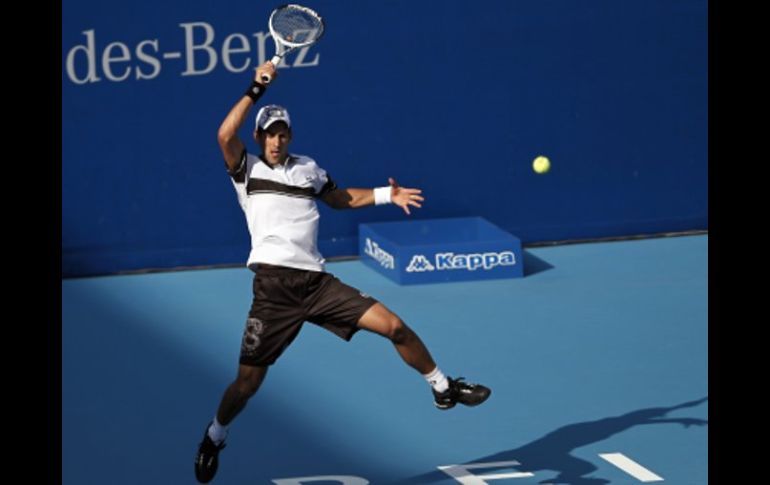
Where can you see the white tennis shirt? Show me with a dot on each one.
(281, 212)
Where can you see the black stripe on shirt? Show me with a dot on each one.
(239, 173)
(328, 187)
(264, 185)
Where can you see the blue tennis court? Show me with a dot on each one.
(597, 359)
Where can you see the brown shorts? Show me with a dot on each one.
(284, 298)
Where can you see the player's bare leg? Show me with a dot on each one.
(233, 401)
(379, 319)
(239, 392)
(446, 391)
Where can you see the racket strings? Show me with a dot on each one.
(297, 26)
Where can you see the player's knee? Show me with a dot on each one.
(398, 332)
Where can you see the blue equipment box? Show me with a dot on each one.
(439, 250)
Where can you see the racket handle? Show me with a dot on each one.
(266, 78)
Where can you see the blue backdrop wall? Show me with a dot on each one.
(454, 97)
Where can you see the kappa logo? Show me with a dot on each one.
(418, 264)
(383, 257)
(471, 262)
(474, 261)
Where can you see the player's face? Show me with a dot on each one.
(275, 142)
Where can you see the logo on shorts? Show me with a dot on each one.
(251, 336)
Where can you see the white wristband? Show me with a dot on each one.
(382, 195)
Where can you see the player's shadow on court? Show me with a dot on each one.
(553, 451)
(533, 264)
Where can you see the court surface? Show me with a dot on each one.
(601, 349)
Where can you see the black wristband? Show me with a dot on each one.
(255, 91)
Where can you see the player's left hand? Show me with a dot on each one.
(404, 197)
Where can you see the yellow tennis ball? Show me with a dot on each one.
(541, 164)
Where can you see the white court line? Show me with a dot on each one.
(462, 474)
(631, 467)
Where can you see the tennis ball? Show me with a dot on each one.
(541, 164)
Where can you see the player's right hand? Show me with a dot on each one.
(266, 68)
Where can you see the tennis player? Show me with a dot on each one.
(278, 191)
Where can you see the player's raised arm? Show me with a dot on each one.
(231, 145)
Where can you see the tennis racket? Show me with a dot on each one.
(292, 26)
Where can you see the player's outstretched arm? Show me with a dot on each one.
(352, 198)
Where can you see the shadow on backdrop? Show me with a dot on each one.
(533, 264)
(553, 451)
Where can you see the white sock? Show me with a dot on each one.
(437, 380)
(217, 432)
